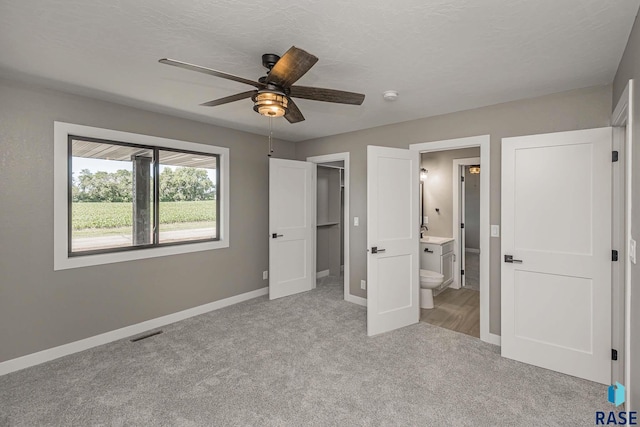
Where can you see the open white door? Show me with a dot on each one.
(291, 227)
(393, 232)
(556, 226)
(463, 230)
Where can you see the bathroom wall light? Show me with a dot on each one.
(475, 169)
(423, 174)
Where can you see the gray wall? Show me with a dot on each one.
(578, 109)
(41, 308)
(630, 69)
(438, 188)
(472, 209)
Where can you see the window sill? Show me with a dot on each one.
(64, 261)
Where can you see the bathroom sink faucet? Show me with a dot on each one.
(423, 230)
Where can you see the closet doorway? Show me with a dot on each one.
(332, 220)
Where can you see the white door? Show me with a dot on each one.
(463, 231)
(291, 227)
(556, 224)
(393, 234)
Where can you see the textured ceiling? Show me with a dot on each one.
(440, 55)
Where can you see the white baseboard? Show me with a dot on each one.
(323, 273)
(118, 334)
(356, 300)
(494, 339)
(472, 250)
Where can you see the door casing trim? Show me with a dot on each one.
(622, 117)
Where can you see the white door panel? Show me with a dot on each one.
(291, 225)
(558, 197)
(556, 218)
(463, 231)
(393, 227)
(394, 269)
(556, 292)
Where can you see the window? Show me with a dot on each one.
(128, 196)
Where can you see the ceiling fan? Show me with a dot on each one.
(273, 93)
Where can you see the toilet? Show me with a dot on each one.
(429, 280)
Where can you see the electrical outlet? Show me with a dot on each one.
(265, 275)
(425, 220)
(363, 284)
(356, 221)
(495, 231)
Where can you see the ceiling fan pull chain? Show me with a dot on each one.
(270, 136)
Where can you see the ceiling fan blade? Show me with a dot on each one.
(326, 95)
(209, 71)
(231, 98)
(293, 113)
(291, 66)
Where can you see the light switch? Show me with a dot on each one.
(495, 231)
(425, 220)
(632, 250)
(356, 221)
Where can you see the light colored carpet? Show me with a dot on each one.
(472, 270)
(303, 360)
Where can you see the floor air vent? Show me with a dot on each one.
(145, 336)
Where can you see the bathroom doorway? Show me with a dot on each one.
(451, 217)
(438, 219)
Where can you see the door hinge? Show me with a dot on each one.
(462, 225)
(614, 354)
(614, 156)
(614, 255)
(462, 178)
(462, 272)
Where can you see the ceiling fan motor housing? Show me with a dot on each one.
(269, 60)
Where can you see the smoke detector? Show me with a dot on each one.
(390, 95)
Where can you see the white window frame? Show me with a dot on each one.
(61, 258)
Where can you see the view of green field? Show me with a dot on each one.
(105, 218)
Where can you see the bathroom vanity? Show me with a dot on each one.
(436, 254)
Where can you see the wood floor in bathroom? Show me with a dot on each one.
(455, 309)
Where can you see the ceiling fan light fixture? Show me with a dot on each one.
(270, 104)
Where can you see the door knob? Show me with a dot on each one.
(275, 236)
(510, 260)
(375, 250)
